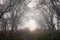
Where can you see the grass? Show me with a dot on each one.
(22, 35)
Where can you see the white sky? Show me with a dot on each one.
(2, 2)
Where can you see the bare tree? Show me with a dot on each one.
(56, 6)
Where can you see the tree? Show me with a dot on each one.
(4, 6)
(56, 6)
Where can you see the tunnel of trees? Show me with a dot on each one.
(14, 9)
(15, 13)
